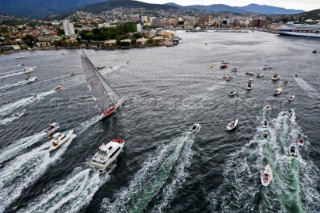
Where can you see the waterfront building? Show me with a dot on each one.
(68, 28)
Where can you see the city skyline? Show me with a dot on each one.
(306, 5)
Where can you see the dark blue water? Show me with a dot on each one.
(164, 168)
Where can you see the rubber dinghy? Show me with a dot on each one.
(266, 175)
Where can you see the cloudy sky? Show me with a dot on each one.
(289, 4)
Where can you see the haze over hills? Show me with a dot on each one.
(252, 8)
(44, 8)
(41, 8)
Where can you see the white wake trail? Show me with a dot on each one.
(8, 108)
(312, 92)
(25, 170)
(18, 146)
(8, 86)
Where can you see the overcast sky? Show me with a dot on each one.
(289, 4)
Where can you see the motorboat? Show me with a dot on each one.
(195, 128)
(20, 113)
(58, 88)
(30, 79)
(289, 112)
(267, 67)
(259, 75)
(227, 78)
(285, 82)
(34, 97)
(300, 141)
(223, 66)
(20, 65)
(268, 107)
(278, 91)
(60, 138)
(275, 77)
(101, 66)
(52, 128)
(315, 51)
(28, 70)
(250, 73)
(265, 124)
(232, 93)
(293, 150)
(234, 70)
(266, 175)
(265, 135)
(291, 97)
(107, 154)
(232, 125)
(249, 85)
(224, 62)
(304, 136)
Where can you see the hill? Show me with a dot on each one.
(251, 8)
(41, 8)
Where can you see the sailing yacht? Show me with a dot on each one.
(106, 99)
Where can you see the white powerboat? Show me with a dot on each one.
(275, 77)
(265, 124)
(232, 93)
(224, 62)
(28, 70)
(304, 136)
(268, 107)
(101, 66)
(278, 91)
(30, 79)
(266, 175)
(20, 113)
(291, 97)
(195, 128)
(232, 125)
(60, 138)
(107, 154)
(52, 128)
(250, 73)
(267, 67)
(300, 141)
(249, 85)
(259, 75)
(293, 150)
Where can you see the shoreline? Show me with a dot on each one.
(79, 47)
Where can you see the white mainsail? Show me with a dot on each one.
(104, 96)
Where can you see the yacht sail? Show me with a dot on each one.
(106, 99)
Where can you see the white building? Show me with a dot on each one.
(68, 28)
(139, 28)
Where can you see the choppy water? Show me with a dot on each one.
(164, 168)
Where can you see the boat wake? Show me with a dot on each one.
(71, 194)
(8, 86)
(149, 180)
(292, 188)
(18, 146)
(11, 74)
(8, 120)
(312, 92)
(85, 125)
(8, 108)
(25, 170)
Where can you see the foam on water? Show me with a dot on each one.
(8, 86)
(8, 108)
(150, 179)
(71, 194)
(11, 74)
(312, 92)
(18, 146)
(25, 170)
(291, 189)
